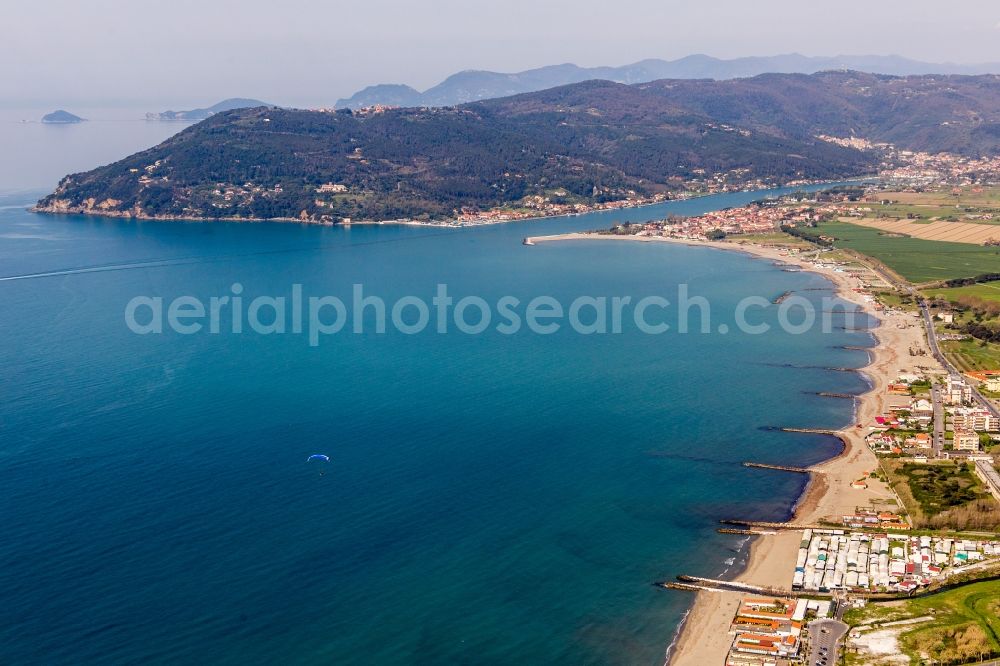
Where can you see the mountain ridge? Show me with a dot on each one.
(585, 143)
(474, 85)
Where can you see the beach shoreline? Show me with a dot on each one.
(703, 635)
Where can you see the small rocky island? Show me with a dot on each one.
(61, 117)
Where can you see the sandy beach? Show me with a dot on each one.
(705, 638)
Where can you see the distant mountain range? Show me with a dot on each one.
(61, 117)
(586, 142)
(201, 114)
(471, 86)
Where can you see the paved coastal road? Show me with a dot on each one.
(936, 351)
(825, 638)
(932, 338)
(937, 441)
(931, 341)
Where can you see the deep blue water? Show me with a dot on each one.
(490, 499)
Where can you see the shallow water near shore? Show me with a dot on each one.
(489, 498)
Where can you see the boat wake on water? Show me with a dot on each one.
(185, 261)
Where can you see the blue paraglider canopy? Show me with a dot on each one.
(318, 456)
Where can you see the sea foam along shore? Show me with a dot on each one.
(704, 636)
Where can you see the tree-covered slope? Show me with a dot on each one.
(591, 141)
(595, 141)
(933, 113)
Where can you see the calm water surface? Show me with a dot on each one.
(490, 498)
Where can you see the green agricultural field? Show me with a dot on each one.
(972, 355)
(916, 212)
(988, 291)
(986, 199)
(915, 259)
(976, 303)
(925, 213)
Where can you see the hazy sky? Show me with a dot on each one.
(186, 52)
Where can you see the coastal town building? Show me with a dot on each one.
(957, 391)
(974, 418)
(989, 476)
(904, 422)
(920, 169)
(760, 218)
(767, 631)
(883, 442)
(921, 410)
(966, 440)
(540, 206)
(867, 517)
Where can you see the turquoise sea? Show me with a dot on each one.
(490, 498)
